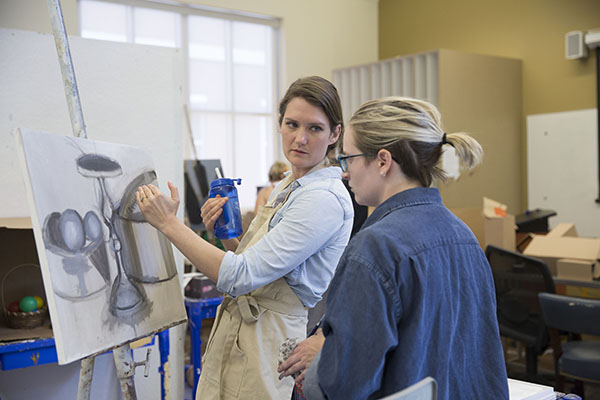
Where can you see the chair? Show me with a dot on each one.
(425, 389)
(518, 280)
(579, 359)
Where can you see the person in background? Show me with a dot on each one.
(276, 174)
(413, 295)
(284, 262)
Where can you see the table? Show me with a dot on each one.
(197, 310)
(33, 352)
(27, 353)
(587, 289)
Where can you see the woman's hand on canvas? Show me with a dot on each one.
(211, 210)
(302, 356)
(158, 209)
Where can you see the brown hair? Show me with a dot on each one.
(321, 93)
(411, 131)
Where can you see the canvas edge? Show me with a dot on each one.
(39, 243)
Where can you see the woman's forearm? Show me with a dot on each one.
(230, 244)
(206, 257)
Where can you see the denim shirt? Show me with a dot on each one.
(413, 297)
(306, 238)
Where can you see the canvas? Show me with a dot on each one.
(109, 276)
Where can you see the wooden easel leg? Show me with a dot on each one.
(125, 370)
(86, 372)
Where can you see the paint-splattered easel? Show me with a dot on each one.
(124, 363)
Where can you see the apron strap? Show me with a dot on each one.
(250, 307)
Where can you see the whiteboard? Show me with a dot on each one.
(562, 172)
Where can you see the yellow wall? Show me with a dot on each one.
(530, 30)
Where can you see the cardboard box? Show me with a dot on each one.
(17, 246)
(563, 229)
(490, 224)
(564, 247)
(567, 255)
(577, 270)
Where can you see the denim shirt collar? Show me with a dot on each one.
(406, 198)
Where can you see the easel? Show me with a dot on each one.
(122, 354)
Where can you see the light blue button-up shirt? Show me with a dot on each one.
(306, 238)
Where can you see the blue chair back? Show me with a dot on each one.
(571, 314)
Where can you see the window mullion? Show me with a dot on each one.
(185, 53)
(277, 152)
(130, 24)
(230, 91)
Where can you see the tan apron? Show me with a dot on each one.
(241, 356)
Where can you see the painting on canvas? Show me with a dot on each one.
(109, 276)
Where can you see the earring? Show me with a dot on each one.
(383, 174)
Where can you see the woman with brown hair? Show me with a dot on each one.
(284, 262)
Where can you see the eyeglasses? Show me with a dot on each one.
(343, 160)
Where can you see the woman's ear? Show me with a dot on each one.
(335, 134)
(384, 161)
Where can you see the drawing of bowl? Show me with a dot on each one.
(78, 260)
(146, 253)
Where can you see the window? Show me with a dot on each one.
(230, 76)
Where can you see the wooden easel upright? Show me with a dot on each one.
(122, 354)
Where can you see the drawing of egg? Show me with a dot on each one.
(93, 226)
(71, 229)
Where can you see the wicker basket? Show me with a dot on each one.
(22, 320)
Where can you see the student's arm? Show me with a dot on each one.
(311, 220)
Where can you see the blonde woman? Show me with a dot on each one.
(413, 295)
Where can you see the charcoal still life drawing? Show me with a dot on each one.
(109, 276)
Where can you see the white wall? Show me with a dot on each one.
(130, 94)
(562, 172)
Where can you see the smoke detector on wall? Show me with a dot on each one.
(578, 42)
